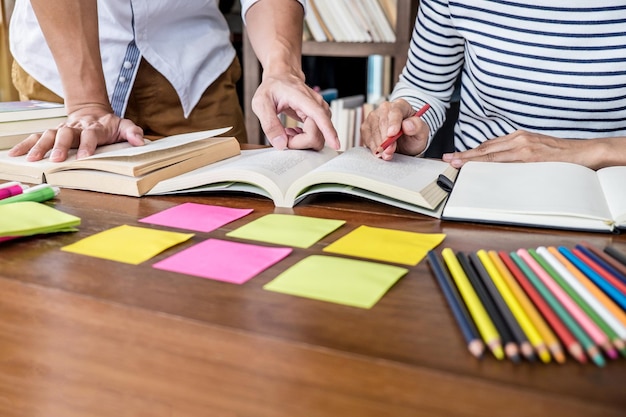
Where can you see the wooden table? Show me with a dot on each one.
(84, 337)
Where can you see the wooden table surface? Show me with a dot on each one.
(80, 336)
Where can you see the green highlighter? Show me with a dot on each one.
(38, 193)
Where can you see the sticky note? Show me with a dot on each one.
(345, 281)
(127, 244)
(196, 217)
(398, 246)
(27, 218)
(287, 229)
(223, 260)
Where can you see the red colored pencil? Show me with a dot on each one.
(566, 337)
(392, 139)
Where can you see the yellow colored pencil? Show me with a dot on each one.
(522, 318)
(485, 326)
(546, 333)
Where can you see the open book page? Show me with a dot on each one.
(267, 172)
(613, 180)
(125, 159)
(405, 178)
(552, 194)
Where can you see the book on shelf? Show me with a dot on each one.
(541, 194)
(11, 111)
(121, 168)
(287, 177)
(343, 115)
(351, 20)
(12, 133)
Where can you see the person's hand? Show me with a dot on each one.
(389, 119)
(523, 146)
(85, 129)
(289, 94)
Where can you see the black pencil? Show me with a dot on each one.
(617, 255)
(509, 343)
(473, 339)
(516, 330)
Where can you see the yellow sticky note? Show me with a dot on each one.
(386, 245)
(287, 229)
(338, 280)
(127, 244)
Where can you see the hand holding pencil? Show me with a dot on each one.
(392, 121)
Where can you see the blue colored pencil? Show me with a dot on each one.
(597, 279)
(474, 342)
(601, 262)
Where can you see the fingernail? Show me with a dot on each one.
(56, 154)
(279, 142)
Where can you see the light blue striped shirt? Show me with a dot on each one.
(553, 67)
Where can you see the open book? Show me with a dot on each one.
(288, 176)
(544, 194)
(121, 168)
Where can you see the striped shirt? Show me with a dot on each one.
(553, 67)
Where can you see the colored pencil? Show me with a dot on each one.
(560, 304)
(477, 310)
(474, 343)
(617, 312)
(603, 284)
(391, 139)
(516, 331)
(605, 261)
(511, 349)
(547, 335)
(592, 306)
(619, 285)
(575, 305)
(522, 318)
(555, 323)
(615, 254)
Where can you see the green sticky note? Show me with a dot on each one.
(287, 229)
(387, 245)
(127, 244)
(338, 280)
(30, 218)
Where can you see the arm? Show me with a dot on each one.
(71, 31)
(429, 76)
(523, 146)
(275, 32)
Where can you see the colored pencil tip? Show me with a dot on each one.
(477, 348)
(610, 351)
(598, 360)
(577, 353)
(559, 357)
(498, 352)
(511, 351)
(527, 351)
(544, 355)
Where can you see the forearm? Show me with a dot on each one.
(275, 31)
(604, 152)
(71, 31)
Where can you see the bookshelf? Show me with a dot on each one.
(406, 11)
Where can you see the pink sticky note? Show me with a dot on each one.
(197, 217)
(224, 260)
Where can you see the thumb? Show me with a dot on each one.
(275, 132)
(133, 134)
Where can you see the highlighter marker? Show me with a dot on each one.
(10, 189)
(38, 193)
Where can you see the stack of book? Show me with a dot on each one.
(538, 303)
(19, 119)
(350, 21)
